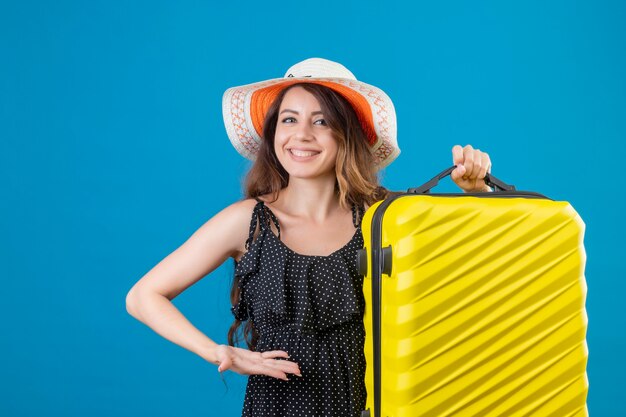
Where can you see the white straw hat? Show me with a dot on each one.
(244, 108)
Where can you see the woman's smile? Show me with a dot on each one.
(302, 154)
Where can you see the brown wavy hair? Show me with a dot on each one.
(357, 177)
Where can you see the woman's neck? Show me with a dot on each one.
(310, 198)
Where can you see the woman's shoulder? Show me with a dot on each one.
(235, 219)
(241, 209)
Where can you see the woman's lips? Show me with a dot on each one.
(302, 155)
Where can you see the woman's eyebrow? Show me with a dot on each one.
(293, 111)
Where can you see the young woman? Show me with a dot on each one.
(318, 137)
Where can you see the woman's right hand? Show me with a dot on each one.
(247, 362)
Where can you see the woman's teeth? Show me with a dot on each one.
(303, 153)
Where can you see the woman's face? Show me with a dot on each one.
(304, 143)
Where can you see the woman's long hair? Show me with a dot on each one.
(357, 177)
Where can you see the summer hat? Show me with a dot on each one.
(244, 107)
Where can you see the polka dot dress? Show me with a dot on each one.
(311, 307)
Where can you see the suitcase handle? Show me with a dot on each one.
(490, 180)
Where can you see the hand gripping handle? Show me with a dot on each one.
(490, 180)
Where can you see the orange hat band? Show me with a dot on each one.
(263, 98)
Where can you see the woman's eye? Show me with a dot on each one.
(323, 122)
(288, 119)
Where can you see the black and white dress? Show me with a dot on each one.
(311, 307)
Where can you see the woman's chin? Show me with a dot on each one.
(309, 174)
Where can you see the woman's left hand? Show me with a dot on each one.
(471, 167)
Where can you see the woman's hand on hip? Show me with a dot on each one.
(247, 362)
(471, 167)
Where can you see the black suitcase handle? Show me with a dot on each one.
(490, 180)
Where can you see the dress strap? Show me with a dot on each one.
(260, 214)
(357, 214)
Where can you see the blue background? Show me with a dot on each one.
(113, 152)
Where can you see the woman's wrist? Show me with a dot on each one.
(208, 352)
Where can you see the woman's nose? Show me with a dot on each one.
(303, 131)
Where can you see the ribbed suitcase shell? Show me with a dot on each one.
(483, 313)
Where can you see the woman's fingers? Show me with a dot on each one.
(285, 366)
(468, 161)
(243, 361)
(457, 155)
(224, 363)
(478, 164)
(265, 369)
(485, 165)
(471, 163)
(458, 173)
(275, 354)
(272, 363)
(457, 159)
(472, 166)
(273, 368)
(274, 358)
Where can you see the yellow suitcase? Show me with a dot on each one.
(475, 304)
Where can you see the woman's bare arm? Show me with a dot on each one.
(149, 300)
